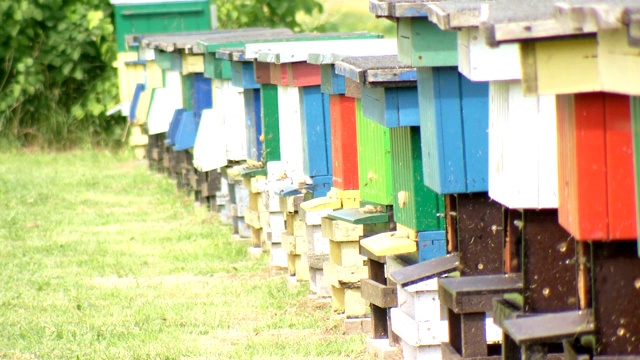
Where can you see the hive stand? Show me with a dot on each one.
(418, 320)
(346, 268)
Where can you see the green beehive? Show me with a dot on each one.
(160, 16)
(422, 43)
(270, 125)
(414, 205)
(374, 160)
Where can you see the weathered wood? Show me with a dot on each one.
(550, 327)
(339, 231)
(344, 276)
(426, 270)
(615, 280)
(474, 294)
(380, 295)
(418, 333)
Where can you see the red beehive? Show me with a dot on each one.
(344, 148)
(595, 167)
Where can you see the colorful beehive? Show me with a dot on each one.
(143, 17)
(310, 124)
(390, 96)
(343, 150)
(601, 120)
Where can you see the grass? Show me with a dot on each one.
(103, 260)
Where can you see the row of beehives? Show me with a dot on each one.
(359, 163)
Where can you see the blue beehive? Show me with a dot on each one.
(243, 75)
(173, 127)
(199, 100)
(391, 106)
(134, 102)
(454, 120)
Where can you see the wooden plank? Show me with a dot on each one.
(473, 294)
(550, 327)
(566, 66)
(480, 62)
(522, 148)
(362, 216)
(620, 173)
(415, 205)
(303, 74)
(380, 295)
(337, 230)
(344, 147)
(422, 43)
(418, 333)
(290, 127)
(344, 276)
(426, 270)
(388, 243)
(315, 132)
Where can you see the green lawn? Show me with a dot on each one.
(102, 259)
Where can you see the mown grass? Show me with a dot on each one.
(103, 260)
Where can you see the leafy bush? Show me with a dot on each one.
(265, 13)
(56, 81)
(56, 77)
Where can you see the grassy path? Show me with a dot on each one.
(100, 259)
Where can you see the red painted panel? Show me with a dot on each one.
(344, 146)
(279, 75)
(620, 174)
(595, 167)
(263, 72)
(581, 166)
(304, 74)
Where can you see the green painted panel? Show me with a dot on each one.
(160, 17)
(635, 132)
(374, 160)
(422, 43)
(270, 125)
(414, 205)
(168, 60)
(222, 69)
(187, 89)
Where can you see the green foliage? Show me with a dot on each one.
(234, 14)
(56, 81)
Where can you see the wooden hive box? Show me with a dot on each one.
(164, 102)
(243, 75)
(453, 125)
(374, 145)
(139, 17)
(595, 165)
(414, 205)
(422, 43)
(342, 111)
(523, 156)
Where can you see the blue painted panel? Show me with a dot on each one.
(332, 83)
(408, 108)
(243, 75)
(321, 185)
(173, 127)
(441, 130)
(391, 107)
(187, 130)
(453, 125)
(431, 245)
(316, 145)
(475, 114)
(254, 124)
(201, 96)
(134, 102)
(326, 112)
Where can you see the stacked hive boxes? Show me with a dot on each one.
(529, 139)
